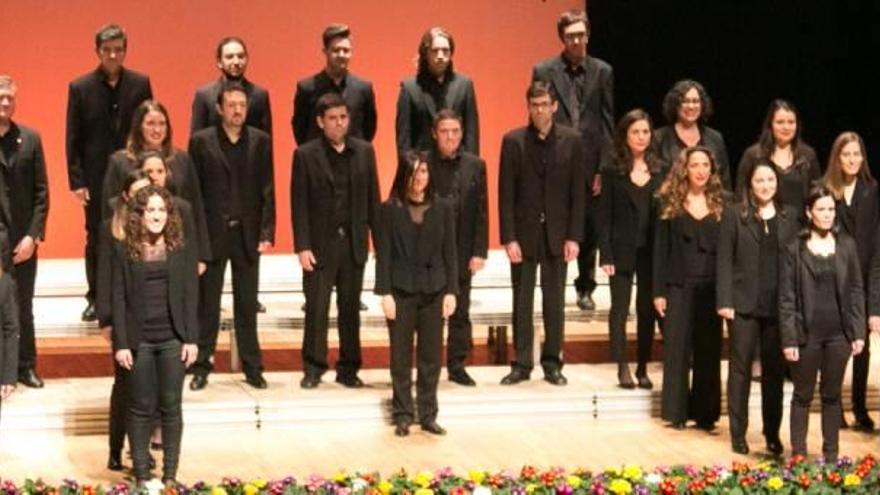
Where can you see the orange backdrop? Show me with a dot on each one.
(47, 44)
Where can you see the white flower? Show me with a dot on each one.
(653, 479)
(723, 474)
(154, 486)
(482, 490)
(358, 484)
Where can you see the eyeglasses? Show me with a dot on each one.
(691, 101)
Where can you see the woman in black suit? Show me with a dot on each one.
(753, 233)
(626, 239)
(155, 322)
(780, 145)
(685, 242)
(848, 176)
(821, 318)
(687, 108)
(416, 275)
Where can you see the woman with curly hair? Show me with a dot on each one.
(691, 202)
(155, 322)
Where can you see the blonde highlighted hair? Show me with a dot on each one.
(674, 190)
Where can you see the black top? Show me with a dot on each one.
(642, 196)
(791, 188)
(768, 270)
(826, 313)
(340, 165)
(236, 155)
(157, 325)
(700, 266)
(444, 177)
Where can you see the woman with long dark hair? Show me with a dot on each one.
(691, 203)
(626, 239)
(821, 318)
(753, 234)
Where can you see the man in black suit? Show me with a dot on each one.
(334, 193)
(542, 191)
(435, 86)
(100, 106)
(459, 177)
(25, 196)
(585, 87)
(234, 164)
(335, 78)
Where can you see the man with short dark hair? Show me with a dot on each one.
(334, 193)
(100, 106)
(234, 164)
(585, 87)
(542, 192)
(24, 201)
(459, 177)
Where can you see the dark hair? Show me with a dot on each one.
(230, 87)
(570, 17)
(119, 217)
(834, 178)
(110, 32)
(143, 157)
(817, 192)
(672, 100)
(328, 101)
(225, 41)
(425, 47)
(333, 31)
(136, 234)
(747, 198)
(446, 114)
(674, 190)
(539, 88)
(133, 176)
(623, 157)
(135, 144)
(411, 160)
(766, 141)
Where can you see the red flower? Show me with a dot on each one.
(528, 472)
(747, 481)
(834, 477)
(804, 480)
(548, 478)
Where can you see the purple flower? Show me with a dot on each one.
(844, 461)
(563, 489)
(641, 490)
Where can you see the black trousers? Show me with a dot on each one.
(244, 297)
(25, 275)
(861, 364)
(828, 359)
(118, 407)
(621, 295)
(338, 269)
(692, 331)
(458, 340)
(93, 236)
(745, 332)
(156, 381)
(420, 314)
(586, 260)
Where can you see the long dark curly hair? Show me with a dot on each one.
(673, 192)
(136, 234)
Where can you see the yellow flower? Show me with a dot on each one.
(251, 489)
(476, 476)
(620, 487)
(423, 479)
(573, 481)
(385, 487)
(260, 483)
(531, 488)
(340, 476)
(218, 490)
(424, 491)
(764, 466)
(632, 472)
(775, 483)
(852, 479)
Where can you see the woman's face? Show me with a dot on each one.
(638, 136)
(155, 169)
(821, 213)
(699, 170)
(419, 180)
(690, 107)
(154, 129)
(851, 158)
(155, 215)
(783, 126)
(763, 184)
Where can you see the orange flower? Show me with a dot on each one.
(804, 480)
(834, 477)
(528, 472)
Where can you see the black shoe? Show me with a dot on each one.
(677, 425)
(740, 446)
(774, 446)
(114, 463)
(644, 381)
(433, 427)
(198, 382)
(555, 377)
(863, 423)
(461, 377)
(350, 381)
(585, 301)
(89, 313)
(260, 307)
(515, 376)
(401, 429)
(310, 381)
(708, 426)
(624, 378)
(29, 378)
(363, 306)
(256, 381)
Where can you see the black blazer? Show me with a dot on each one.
(794, 183)
(470, 203)
(416, 262)
(257, 185)
(358, 95)
(26, 169)
(666, 143)
(797, 291)
(618, 219)
(182, 181)
(312, 198)
(9, 331)
(862, 227)
(183, 296)
(670, 237)
(739, 247)
(416, 110)
(563, 188)
(204, 107)
(92, 132)
(596, 111)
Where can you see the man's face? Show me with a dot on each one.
(338, 54)
(111, 53)
(233, 110)
(439, 55)
(541, 110)
(334, 123)
(447, 134)
(7, 104)
(575, 38)
(233, 60)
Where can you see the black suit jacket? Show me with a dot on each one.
(618, 220)
(666, 143)
(358, 95)
(470, 203)
(416, 110)
(596, 111)
(312, 198)
(416, 261)
(862, 227)
(204, 107)
(739, 247)
(257, 185)
(670, 237)
(9, 331)
(797, 291)
(521, 186)
(92, 132)
(27, 182)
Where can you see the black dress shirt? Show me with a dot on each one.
(340, 165)
(236, 155)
